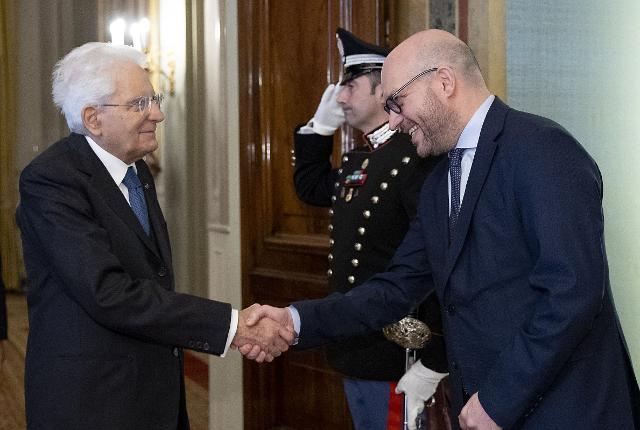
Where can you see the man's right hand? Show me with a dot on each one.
(329, 116)
(257, 315)
(263, 339)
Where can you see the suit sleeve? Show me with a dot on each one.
(313, 176)
(66, 243)
(558, 191)
(383, 299)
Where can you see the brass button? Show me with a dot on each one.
(330, 257)
(339, 171)
(333, 198)
(383, 186)
(375, 200)
(394, 172)
(337, 184)
(355, 262)
(330, 227)
(331, 212)
(331, 241)
(345, 159)
(329, 272)
(358, 246)
(367, 214)
(406, 160)
(361, 231)
(351, 279)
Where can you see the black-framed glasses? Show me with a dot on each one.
(141, 104)
(391, 104)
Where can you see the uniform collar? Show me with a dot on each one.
(376, 138)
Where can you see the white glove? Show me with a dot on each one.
(329, 115)
(418, 385)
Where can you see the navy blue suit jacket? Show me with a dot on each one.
(528, 315)
(106, 328)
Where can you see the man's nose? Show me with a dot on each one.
(395, 119)
(156, 114)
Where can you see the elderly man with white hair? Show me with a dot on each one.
(107, 328)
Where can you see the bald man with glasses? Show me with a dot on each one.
(510, 235)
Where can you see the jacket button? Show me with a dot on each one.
(454, 365)
(175, 352)
(451, 309)
(191, 344)
(199, 345)
(205, 346)
(162, 271)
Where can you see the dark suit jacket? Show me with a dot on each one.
(527, 309)
(106, 326)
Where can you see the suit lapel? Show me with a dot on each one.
(89, 163)
(487, 143)
(441, 219)
(155, 213)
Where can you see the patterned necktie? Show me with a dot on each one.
(136, 197)
(455, 170)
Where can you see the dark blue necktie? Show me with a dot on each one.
(455, 170)
(136, 197)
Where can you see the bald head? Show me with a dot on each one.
(433, 86)
(436, 48)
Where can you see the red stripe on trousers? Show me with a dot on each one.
(396, 408)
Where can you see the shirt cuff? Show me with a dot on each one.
(233, 327)
(296, 322)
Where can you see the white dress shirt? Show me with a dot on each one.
(117, 170)
(468, 140)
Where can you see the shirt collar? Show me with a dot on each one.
(471, 133)
(115, 166)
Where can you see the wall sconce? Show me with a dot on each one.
(139, 32)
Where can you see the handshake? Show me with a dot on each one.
(264, 332)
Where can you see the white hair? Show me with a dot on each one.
(87, 76)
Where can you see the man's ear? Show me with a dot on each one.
(91, 121)
(446, 81)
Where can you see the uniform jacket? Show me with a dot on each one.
(106, 326)
(524, 287)
(369, 219)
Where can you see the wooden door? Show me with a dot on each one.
(287, 56)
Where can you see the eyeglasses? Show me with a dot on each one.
(142, 104)
(391, 104)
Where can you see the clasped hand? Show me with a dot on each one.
(264, 332)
